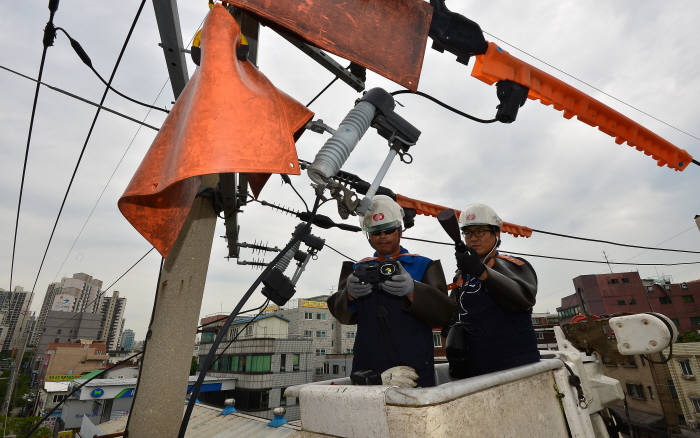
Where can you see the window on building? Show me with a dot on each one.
(684, 285)
(319, 371)
(320, 333)
(540, 336)
(320, 352)
(685, 367)
(672, 389)
(308, 315)
(249, 330)
(635, 391)
(437, 340)
(58, 332)
(252, 399)
(621, 302)
(696, 404)
(633, 301)
(283, 399)
(350, 335)
(676, 321)
(695, 320)
(283, 362)
(326, 368)
(58, 398)
(321, 316)
(665, 300)
(332, 342)
(688, 299)
(613, 281)
(232, 333)
(625, 280)
(295, 363)
(332, 326)
(308, 333)
(651, 393)
(250, 363)
(629, 362)
(336, 369)
(650, 288)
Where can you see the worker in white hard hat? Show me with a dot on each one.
(492, 329)
(395, 298)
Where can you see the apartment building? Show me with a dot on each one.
(14, 306)
(112, 324)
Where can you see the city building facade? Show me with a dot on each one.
(264, 359)
(14, 307)
(63, 362)
(544, 323)
(684, 383)
(68, 328)
(127, 341)
(606, 294)
(112, 310)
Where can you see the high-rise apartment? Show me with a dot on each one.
(112, 311)
(14, 306)
(127, 341)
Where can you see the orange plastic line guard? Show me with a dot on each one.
(385, 36)
(497, 64)
(428, 209)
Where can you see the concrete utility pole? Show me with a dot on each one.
(159, 401)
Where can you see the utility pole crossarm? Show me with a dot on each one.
(171, 41)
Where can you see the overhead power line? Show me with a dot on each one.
(627, 245)
(595, 88)
(49, 37)
(87, 138)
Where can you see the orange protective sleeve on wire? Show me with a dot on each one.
(497, 64)
(428, 209)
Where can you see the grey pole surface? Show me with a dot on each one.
(159, 402)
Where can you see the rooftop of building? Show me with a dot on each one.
(207, 421)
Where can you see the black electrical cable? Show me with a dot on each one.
(255, 318)
(444, 105)
(87, 138)
(588, 239)
(288, 180)
(333, 249)
(252, 309)
(82, 54)
(696, 162)
(208, 360)
(562, 258)
(321, 92)
(36, 426)
(82, 99)
(48, 39)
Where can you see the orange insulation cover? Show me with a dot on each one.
(385, 36)
(229, 118)
(497, 64)
(428, 209)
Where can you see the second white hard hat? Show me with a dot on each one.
(479, 214)
(383, 214)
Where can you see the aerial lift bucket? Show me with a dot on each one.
(229, 118)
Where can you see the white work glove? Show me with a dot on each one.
(356, 288)
(400, 284)
(402, 376)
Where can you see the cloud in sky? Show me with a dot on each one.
(542, 171)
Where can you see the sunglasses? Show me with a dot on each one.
(387, 232)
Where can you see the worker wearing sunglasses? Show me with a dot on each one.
(396, 311)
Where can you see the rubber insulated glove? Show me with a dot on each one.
(356, 288)
(469, 262)
(402, 376)
(400, 284)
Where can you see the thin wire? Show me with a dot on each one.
(87, 139)
(627, 245)
(88, 62)
(321, 92)
(595, 88)
(82, 99)
(663, 241)
(36, 426)
(333, 249)
(562, 258)
(444, 105)
(696, 162)
(223, 318)
(288, 180)
(29, 140)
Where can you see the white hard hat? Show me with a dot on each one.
(479, 214)
(383, 214)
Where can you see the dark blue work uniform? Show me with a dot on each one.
(388, 335)
(498, 339)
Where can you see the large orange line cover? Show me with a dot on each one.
(229, 118)
(497, 64)
(385, 36)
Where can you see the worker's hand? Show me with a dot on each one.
(356, 288)
(469, 262)
(400, 284)
(401, 376)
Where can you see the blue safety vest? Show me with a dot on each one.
(497, 339)
(388, 335)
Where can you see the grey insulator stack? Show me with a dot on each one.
(331, 157)
(287, 257)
